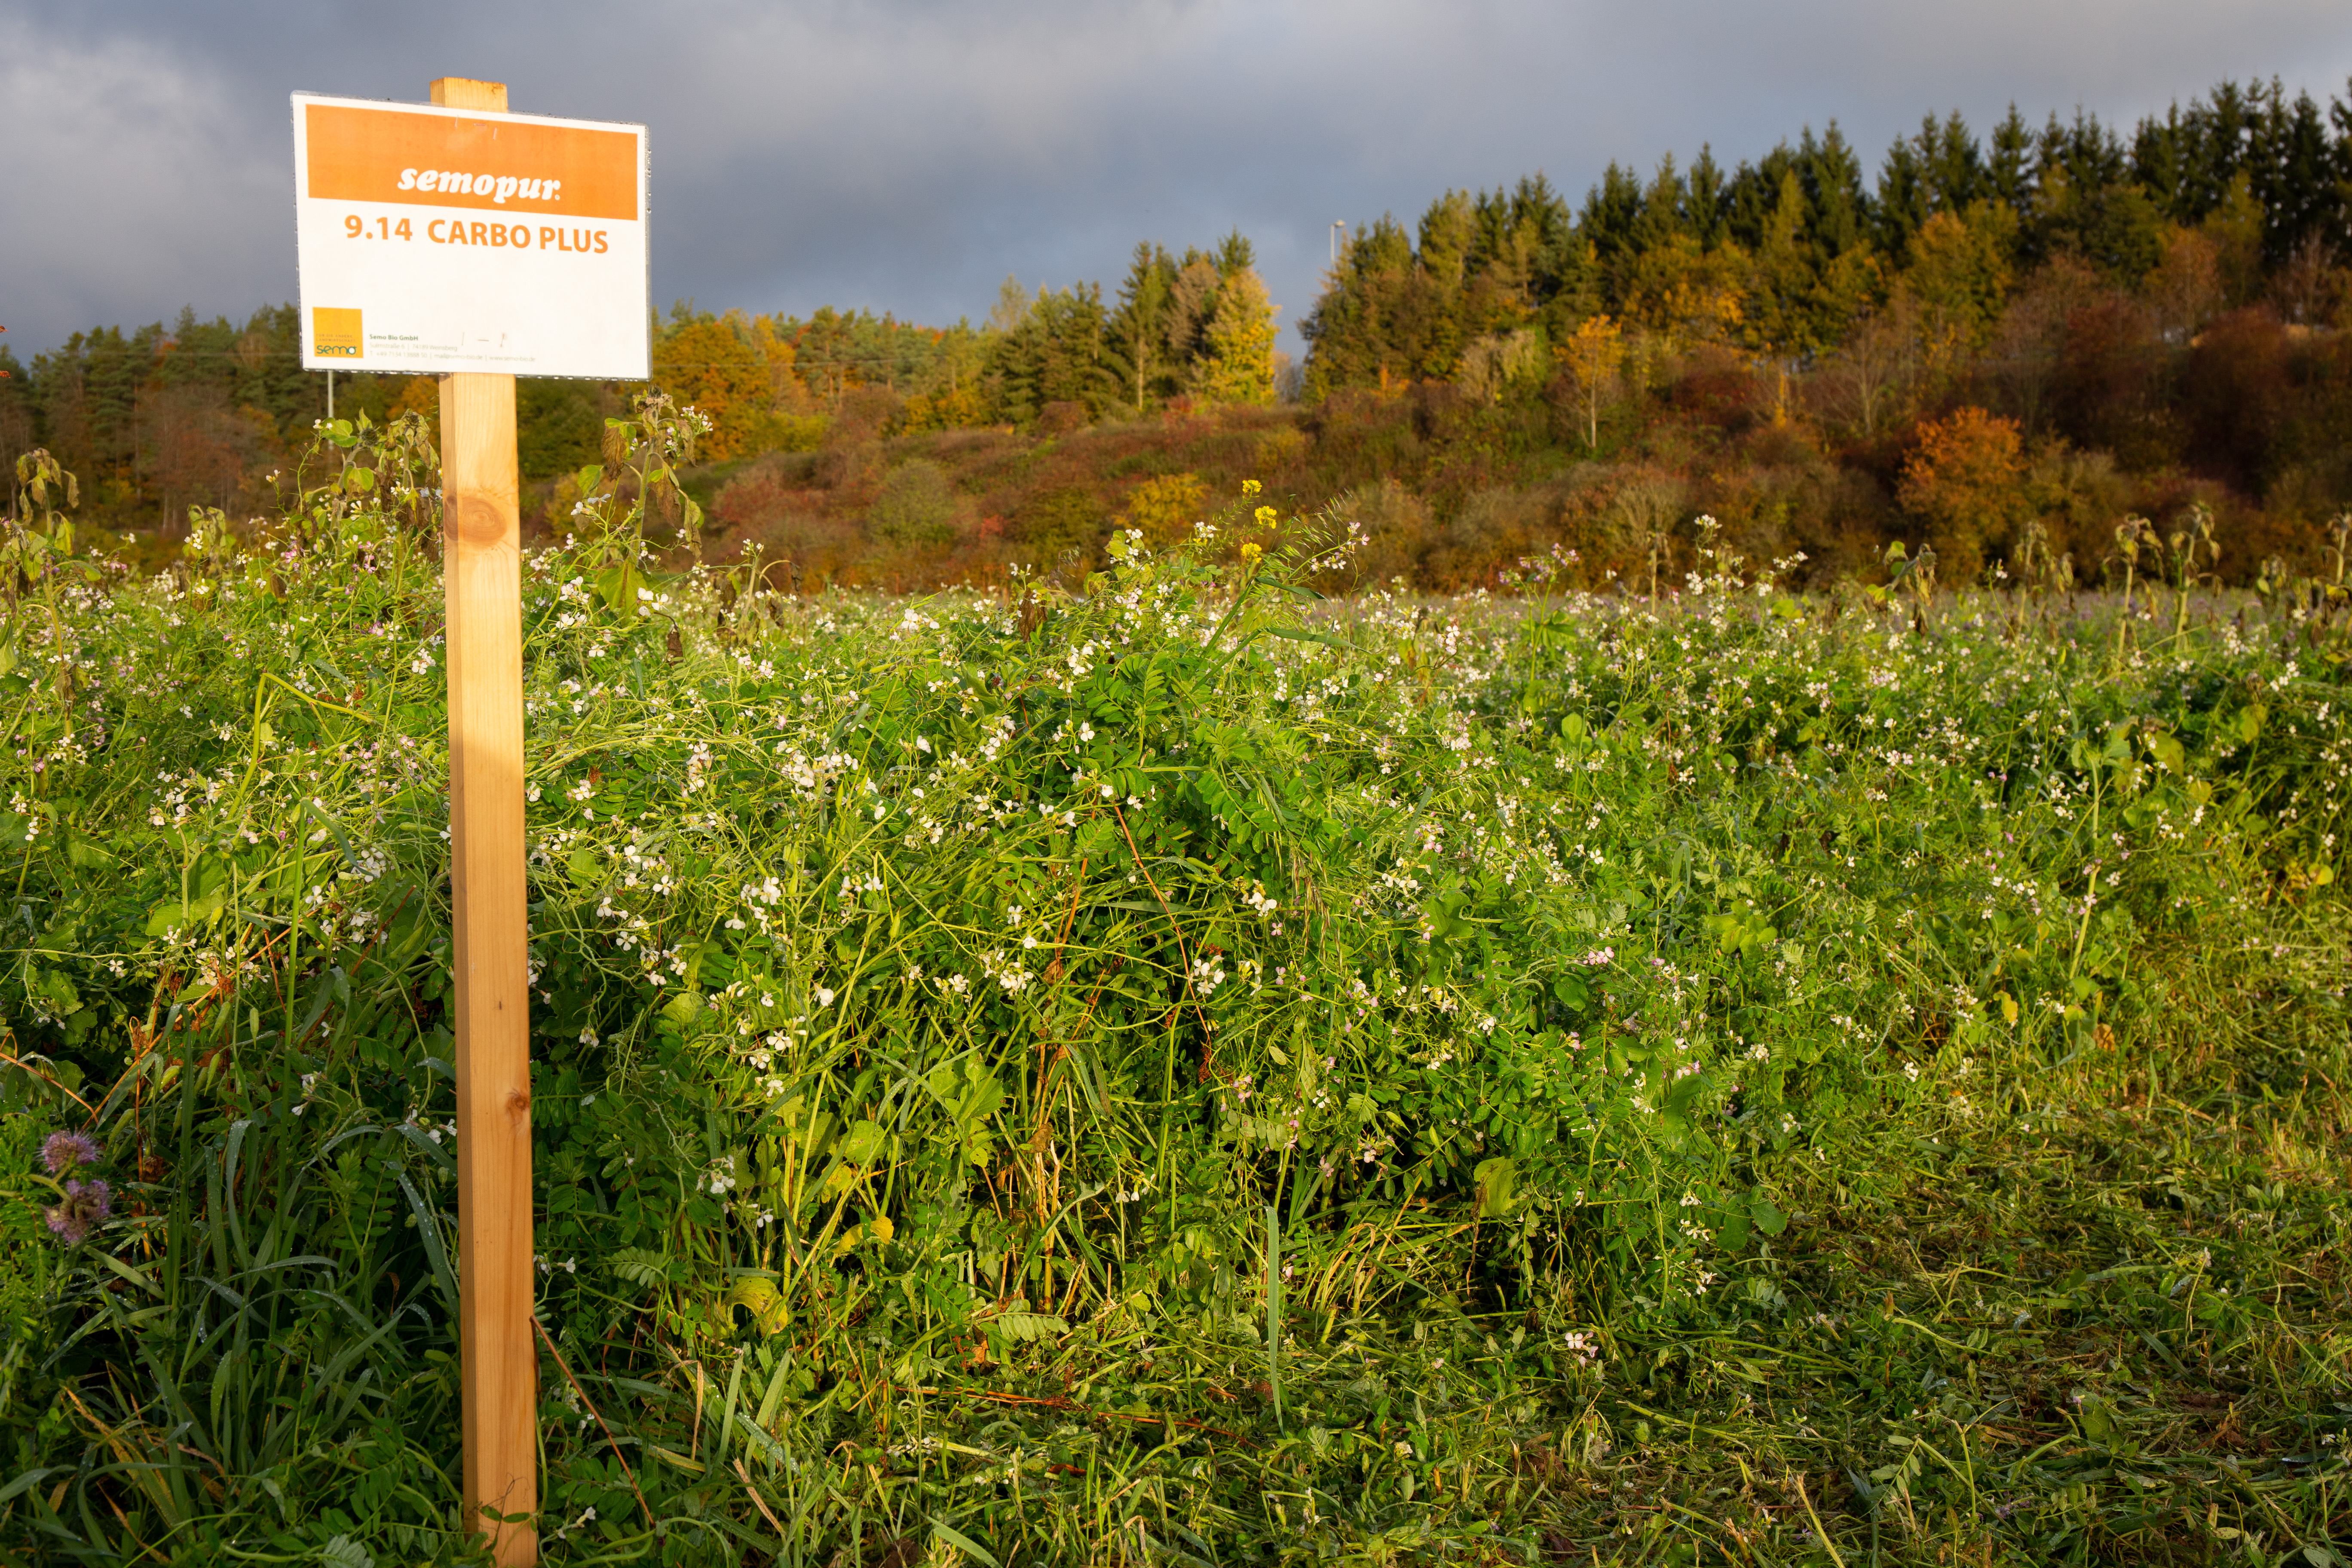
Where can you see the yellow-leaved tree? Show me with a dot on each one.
(1592, 356)
(1960, 273)
(707, 363)
(1238, 363)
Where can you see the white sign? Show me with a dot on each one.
(434, 240)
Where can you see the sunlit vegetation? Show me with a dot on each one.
(1162, 1063)
(1996, 344)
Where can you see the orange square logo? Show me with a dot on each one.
(336, 333)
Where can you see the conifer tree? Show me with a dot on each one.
(1238, 363)
(1138, 327)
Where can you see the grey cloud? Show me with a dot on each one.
(907, 156)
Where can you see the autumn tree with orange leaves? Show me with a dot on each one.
(1964, 480)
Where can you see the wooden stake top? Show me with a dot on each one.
(465, 92)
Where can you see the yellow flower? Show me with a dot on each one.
(1251, 486)
(1268, 517)
(1251, 555)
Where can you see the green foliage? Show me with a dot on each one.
(834, 351)
(1059, 523)
(1140, 351)
(559, 427)
(1057, 350)
(918, 506)
(1173, 1065)
(1783, 255)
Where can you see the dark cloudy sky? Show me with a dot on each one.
(908, 154)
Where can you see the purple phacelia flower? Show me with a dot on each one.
(61, 1151)
(86, 1203)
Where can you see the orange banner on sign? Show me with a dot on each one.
(445, 161)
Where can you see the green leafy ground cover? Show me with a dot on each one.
(1166, 1069)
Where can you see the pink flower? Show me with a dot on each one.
(86, 1203)
(61, 1151)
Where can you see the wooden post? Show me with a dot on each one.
(482, 576)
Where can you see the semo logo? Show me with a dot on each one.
(420, 159)
(336, 332)
(499, 187)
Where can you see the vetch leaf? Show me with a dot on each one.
(1494, 1179)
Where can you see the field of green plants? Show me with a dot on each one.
(1162, 1066)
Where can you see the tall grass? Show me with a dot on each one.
(1170, 1066)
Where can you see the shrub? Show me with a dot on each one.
(2078, 497)
(918, 507)
(2109, 385)
(2237, 396)
(1053, 525)
(1164, 507)
(1964, 481)
(1396, 525)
